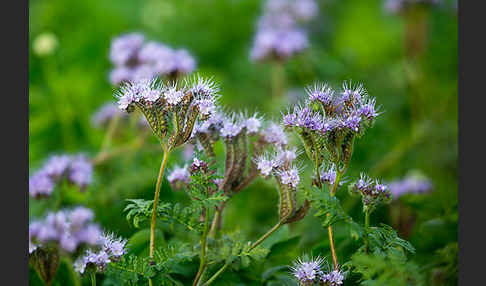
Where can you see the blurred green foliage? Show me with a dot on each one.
(350, 39)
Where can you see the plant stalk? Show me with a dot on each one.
(93, 278)
(266, 235)
(202, 264)
(329, 229)
(156, 199)
(216, 275)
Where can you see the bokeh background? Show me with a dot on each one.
(349, 39)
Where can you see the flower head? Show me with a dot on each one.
(274, 134)
(290, 176)
(81, 171)
(41, 184)
(266, 164)
(307, 271)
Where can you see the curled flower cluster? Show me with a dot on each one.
(280, 165)
(69, 229)
(398, 6)
(311, 272)
(373, 192)
(171, 109)
(237, 132)
(110, 249)
(412, 184)
(329, 121)
(105, 113)
(76, 169)
(279, 35)
(134, 59)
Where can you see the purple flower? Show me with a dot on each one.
(40, 184)
(320, 92)
(307, 272)
(274, 134)
(290, 177)
(124, 48)
(113, 246)
(334, 278)
(352, 122)
(173, 95)
(57, 165)
(368, 110)
(133, 91)
(414, 184)
(290, 119)
(328, 175)
(285, 156)
(81, 171)
(253, 124)
(179, 174)
(67, 228)
(231, 128)
(265, 164)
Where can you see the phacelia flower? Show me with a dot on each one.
(179, 174)
(279, 36)
(81, 171)
(274, 134)
(231, 128)
(69, 228)
(413, 184)
(307, 272)
(253, 124)
(41, 185)
(135, 60)
(328, 175)
(124, 48)
(372, 192)
(333, 279)
(266, 164)
(173, 95)
(290, 177)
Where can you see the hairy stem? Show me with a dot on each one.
(367, 225)
(266, 235)
(329, 229)
(156, 199)
(202, 264)
(216, 275)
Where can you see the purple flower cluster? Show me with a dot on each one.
(280, 165)
(68, 228)
(110, 250)
(311, 273)
(105, 113)
(327, 111)
(373, 192)
(77, 169)
(150, 93)
(412, 184)
(328, 175)
(397, 6)
(133, 59)
(274, 134)
(179, 177)
(279, 35)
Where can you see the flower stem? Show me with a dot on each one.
(93, 278)
(202, 264)
(216, 275)
(266, 235)
(329, 229)
(367, 225)
(156, 199)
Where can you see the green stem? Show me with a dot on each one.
(367, 225)
(202, 264)
(156, 199)
(216, 275)
(266, 235)
(93, 278)
(339, 174)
